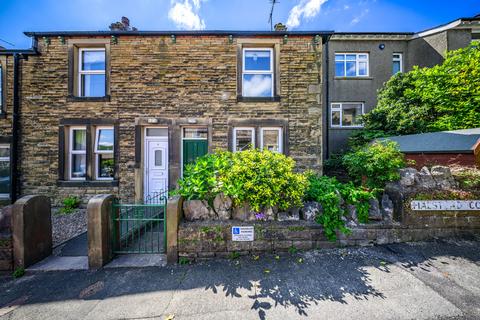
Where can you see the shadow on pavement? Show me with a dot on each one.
(298, 281)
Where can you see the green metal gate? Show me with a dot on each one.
(140, 228)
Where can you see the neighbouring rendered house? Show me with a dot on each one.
(360, 63)
(122, 112)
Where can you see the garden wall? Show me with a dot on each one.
(207, 239)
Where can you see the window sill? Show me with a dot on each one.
(353, 78)
(88, 99)
(345, 128)
(258, 99)
(96, 183)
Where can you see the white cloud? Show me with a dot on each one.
(357, 19)
(185, 14)
(257, 86)
(306, 9)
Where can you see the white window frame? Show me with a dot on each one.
(271, 71)
(7, 159)
(280, 137)
(97, 152)
(89, 72)
(339, 107)
(357, 63)
(252, 129)
(71, 152)
(399, 59)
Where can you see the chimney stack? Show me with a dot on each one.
(280, 27)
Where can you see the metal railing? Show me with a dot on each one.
(140, 228)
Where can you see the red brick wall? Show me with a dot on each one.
(429, 159)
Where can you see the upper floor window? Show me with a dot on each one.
(346, 114)
(91, 72)
(397, 63)
(351, 64)
(257, 72)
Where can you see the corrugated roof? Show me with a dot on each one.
(438, 142)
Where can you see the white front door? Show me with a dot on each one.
(156, 166)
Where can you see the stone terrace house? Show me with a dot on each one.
(123, 111)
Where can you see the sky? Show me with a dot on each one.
(17, 16)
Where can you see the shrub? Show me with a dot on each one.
(264, 179)
(70, 203)
(375, 164)
(202, 178)
(329, 193)
(260, 178)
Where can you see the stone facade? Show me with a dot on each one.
(191, 79)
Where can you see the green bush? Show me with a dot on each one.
(70, 203)
(258, 177)
(329, 192)
(375, 164)
(202, 179)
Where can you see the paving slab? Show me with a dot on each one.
(138, 261)
(54, 263)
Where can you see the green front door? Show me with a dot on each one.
(192, 149)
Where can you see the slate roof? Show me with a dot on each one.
(457, 141)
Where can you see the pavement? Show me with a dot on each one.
(427, 280)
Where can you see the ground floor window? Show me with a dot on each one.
(78, 153)
(346, 114)
(104, 161)
(4, 171)
(270, 138)
(243, 138)
(87, 152)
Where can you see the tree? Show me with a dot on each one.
(444, 97)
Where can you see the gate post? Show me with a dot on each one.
(174, 215)
(100, 230)
(32, 230)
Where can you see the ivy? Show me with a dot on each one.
(330, 193)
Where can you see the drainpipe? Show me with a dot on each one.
(15, 128)
(327, 98)
(16, 117)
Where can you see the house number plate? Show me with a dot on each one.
(445, 205)
(242, 233)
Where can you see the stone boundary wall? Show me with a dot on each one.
(206, 239)
(6, 239)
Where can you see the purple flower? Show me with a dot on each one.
(260, 216)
